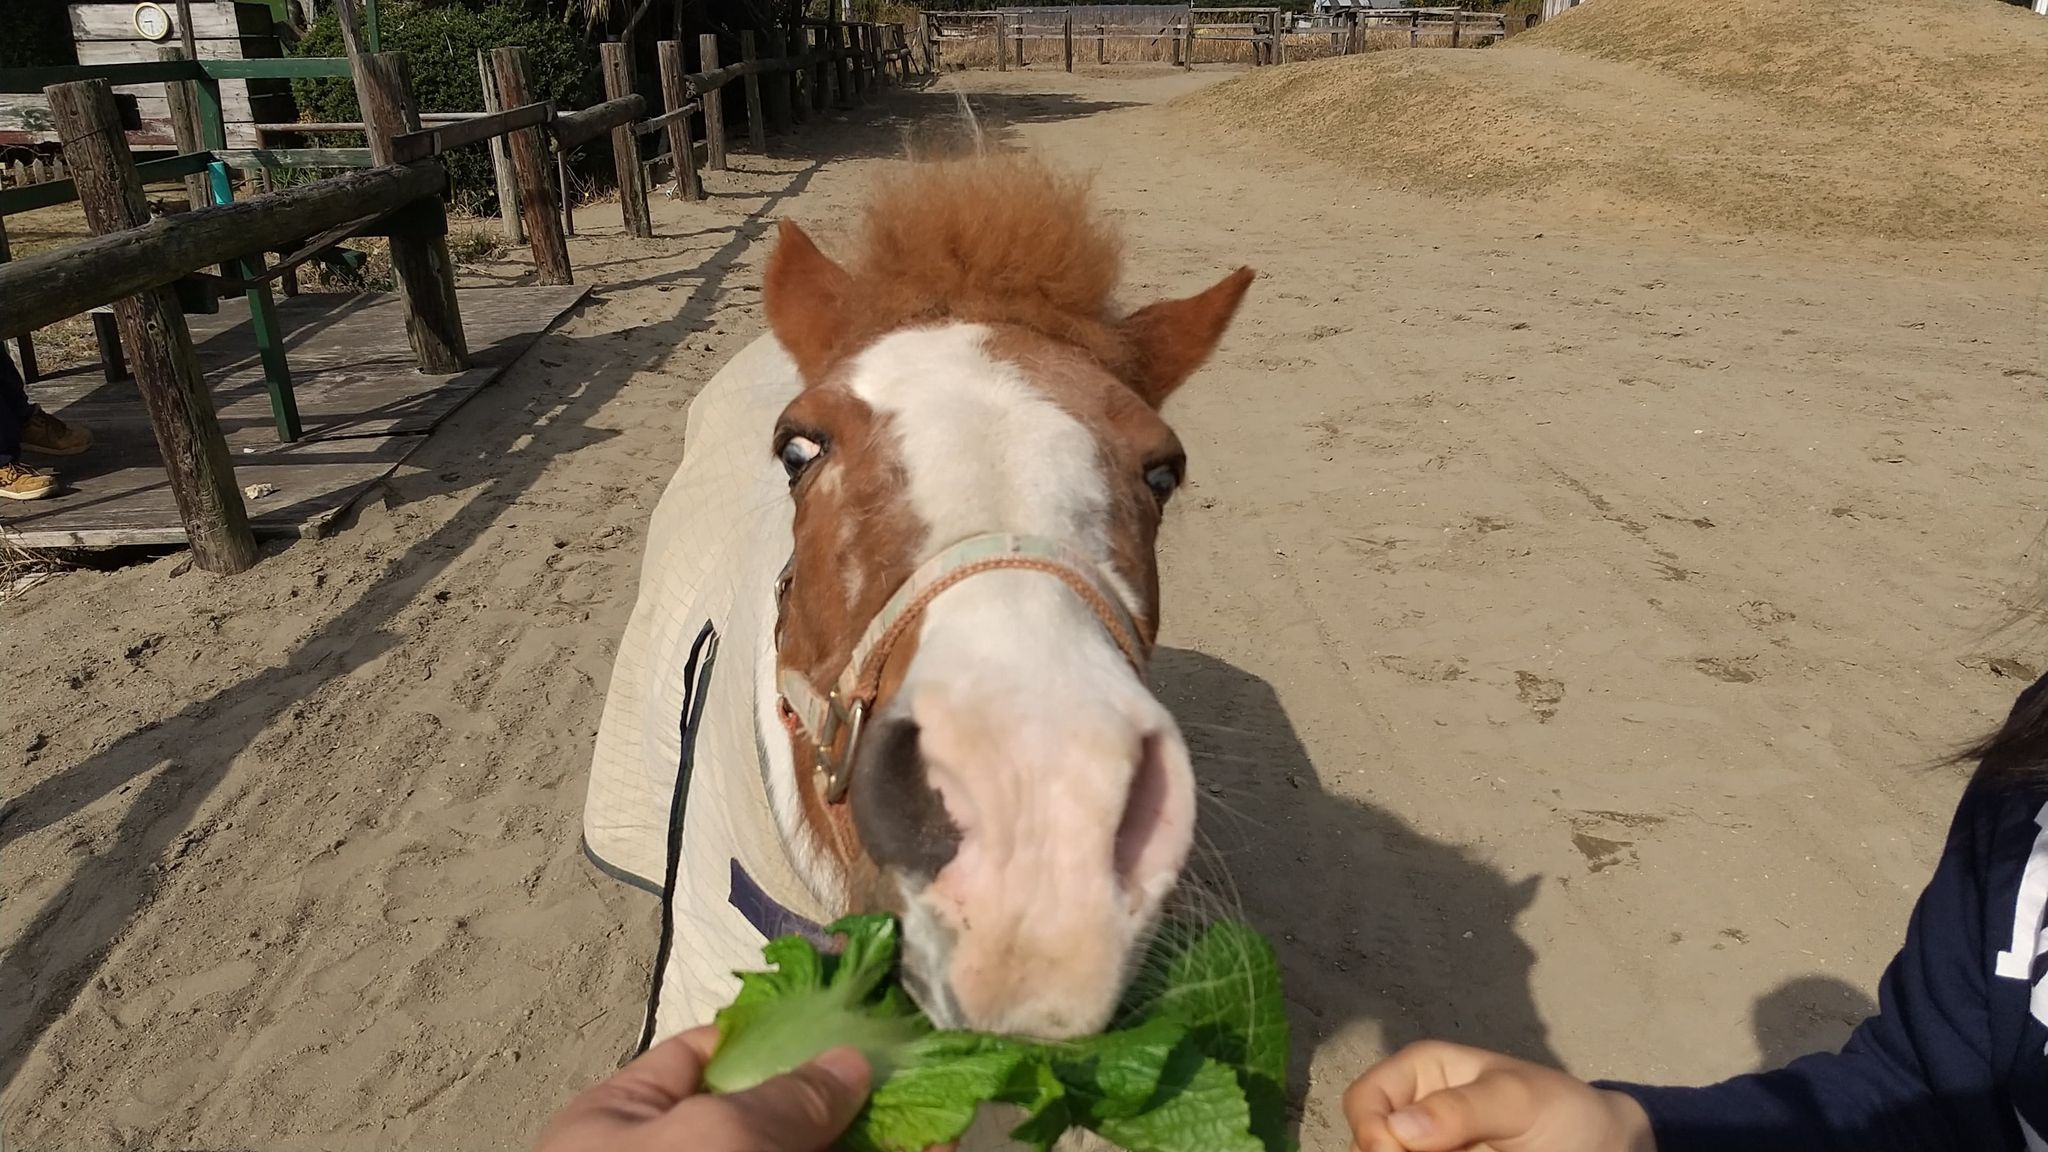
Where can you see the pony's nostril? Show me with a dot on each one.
(902, 821)
(1145, 811)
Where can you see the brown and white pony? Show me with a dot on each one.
(979, 469)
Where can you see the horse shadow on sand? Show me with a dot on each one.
(1372, 921)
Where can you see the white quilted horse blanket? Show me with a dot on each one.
(678, 801)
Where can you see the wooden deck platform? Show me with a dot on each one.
(363, 407)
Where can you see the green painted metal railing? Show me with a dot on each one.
(30, 81)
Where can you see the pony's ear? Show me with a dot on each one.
(1170, 339)
(806, 296)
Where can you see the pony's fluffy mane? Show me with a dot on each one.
(996, 239)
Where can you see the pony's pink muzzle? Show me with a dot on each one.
(1034, 837)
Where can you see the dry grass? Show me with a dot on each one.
(472, 239)
(23, 568)
(1302, 46)
(1815, 117)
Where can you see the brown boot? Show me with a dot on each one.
(18, 481)
(50, 436)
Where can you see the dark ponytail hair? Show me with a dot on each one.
(2016, 756)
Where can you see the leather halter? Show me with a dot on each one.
(823, 718)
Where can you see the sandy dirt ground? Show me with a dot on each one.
(1565, 618)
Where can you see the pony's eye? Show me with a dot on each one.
(796, 454)
(1162, 479)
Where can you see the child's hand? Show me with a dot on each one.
(1437, 1097)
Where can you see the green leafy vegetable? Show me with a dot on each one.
(1195, 1061)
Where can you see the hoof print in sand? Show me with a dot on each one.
(1540, 693)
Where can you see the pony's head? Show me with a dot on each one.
(979, 469)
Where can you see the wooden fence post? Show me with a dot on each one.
(757, 120)
(674, 94)
(859, 62)
(1067, 39)
(1457, 26)
(714, 104)
(184, 115)
(1415, 30)
(1279, 54)
(501, 160)
(790, 83)
(1187, 55)
(1002, 43)
(618, 83)
(419, 250)
(529, 166)
(166, 369)
(821, 75)
(843, 69)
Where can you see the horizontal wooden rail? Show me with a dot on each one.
(660, 123)
(337, 127)
(272, 159)
(587, 124)
(40, 290)
(446, 138)
(702, 82)
(54, 192)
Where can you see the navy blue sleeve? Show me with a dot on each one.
(1917, 1076)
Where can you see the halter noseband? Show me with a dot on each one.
(821, 718)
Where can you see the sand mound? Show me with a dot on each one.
(1917, 121)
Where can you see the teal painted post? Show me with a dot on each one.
(370, 32)
(213, 131)
(277, 374)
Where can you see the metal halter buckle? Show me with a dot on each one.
(839, 775)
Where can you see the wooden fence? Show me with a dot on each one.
(151, 270)
(1177, 35)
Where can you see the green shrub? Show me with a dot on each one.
(440, 43)
(37, 33)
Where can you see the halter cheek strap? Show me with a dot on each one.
(823, 718)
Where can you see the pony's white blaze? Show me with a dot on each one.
(1068, 782)
(985, 450)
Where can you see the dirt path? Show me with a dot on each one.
(1563, 623)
